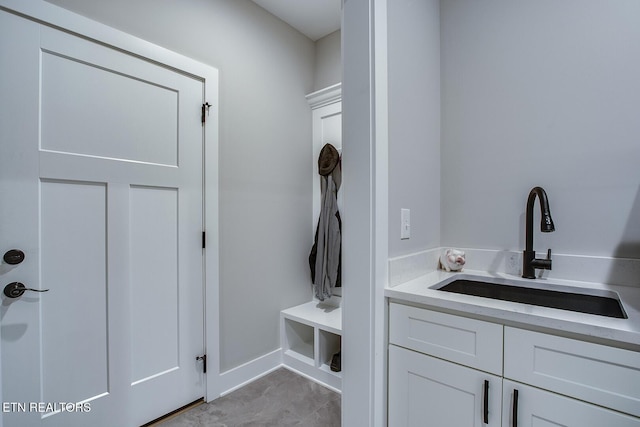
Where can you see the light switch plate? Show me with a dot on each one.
(405, 223)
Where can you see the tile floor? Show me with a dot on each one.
(281, 398)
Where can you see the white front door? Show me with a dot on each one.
(101, 188)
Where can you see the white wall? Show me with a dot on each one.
(328, 70)
(266, 69)
(541, 93)
(414, 123)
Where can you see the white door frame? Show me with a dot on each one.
(48, 14)
(365, 245)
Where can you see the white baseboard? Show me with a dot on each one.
(244, 374)
(248, 372)
(312, 378)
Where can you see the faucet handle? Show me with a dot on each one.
(548, 260)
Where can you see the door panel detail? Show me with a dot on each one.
(83, 79)
(73, 266)
(154, 280)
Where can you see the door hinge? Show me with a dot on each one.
(204, 362)
(204, 239)
(205, 109)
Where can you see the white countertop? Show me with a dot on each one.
(619, 332)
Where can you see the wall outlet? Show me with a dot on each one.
(405, 223)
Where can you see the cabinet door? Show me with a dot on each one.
(591, 372)
(425, 391)
(540, 408)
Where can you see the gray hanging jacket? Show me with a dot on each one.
(325, 257)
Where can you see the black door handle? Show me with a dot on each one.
(16, 289)
(514, 413)
(485, 411)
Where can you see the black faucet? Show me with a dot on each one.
(529, 260)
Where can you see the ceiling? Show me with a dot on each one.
(313, 18)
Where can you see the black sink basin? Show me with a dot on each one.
(584, 303)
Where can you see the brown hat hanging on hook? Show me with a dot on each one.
(328, 159)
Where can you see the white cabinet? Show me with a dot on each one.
(310, 336)
(427, 391)
(558, 381)
(311, 333)
(538, 408)
(591, 372)
(605, 376)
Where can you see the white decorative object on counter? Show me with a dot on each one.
(452, 260)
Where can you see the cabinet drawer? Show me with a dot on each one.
(595, 373)
(466, 341)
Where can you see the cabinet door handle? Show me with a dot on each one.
(485, 410)
(514, 413)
